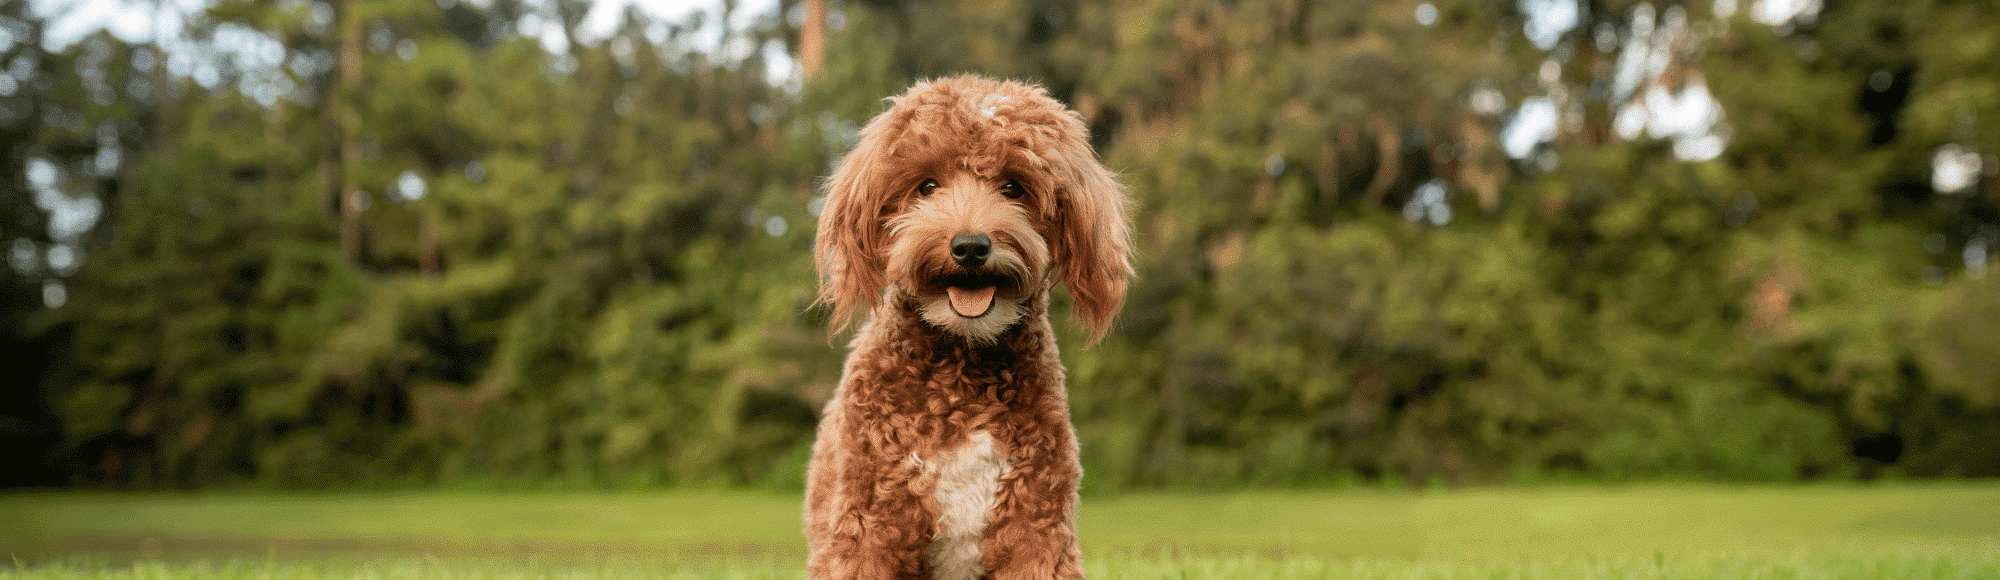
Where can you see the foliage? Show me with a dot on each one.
(434, 243)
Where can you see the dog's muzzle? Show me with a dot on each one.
(971, 296)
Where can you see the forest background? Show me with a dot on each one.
(391, 243)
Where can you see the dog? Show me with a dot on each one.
(946, 451)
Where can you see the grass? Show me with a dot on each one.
(1909, 530)
(1828, 566)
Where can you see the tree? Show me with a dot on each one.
(27, 425)
(1397, 241)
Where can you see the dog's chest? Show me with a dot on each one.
(966, 486)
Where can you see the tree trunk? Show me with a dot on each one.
(1389, 149)
(812, 40)
(343, 149)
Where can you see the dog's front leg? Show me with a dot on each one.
(862, 521)
(1033, 534)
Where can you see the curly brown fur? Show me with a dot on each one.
(947, 452)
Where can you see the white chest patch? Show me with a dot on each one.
(968, 484)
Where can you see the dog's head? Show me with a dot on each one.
(968, 198)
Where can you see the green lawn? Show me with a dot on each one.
(1909, 530)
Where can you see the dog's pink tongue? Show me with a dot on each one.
(970, 303)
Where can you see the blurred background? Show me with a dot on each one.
(557, 243)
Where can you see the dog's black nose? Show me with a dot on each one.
(971, 250)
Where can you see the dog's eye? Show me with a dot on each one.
(928, 186)
(1013, 190)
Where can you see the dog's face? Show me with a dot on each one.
(969, 199)
(966, 251)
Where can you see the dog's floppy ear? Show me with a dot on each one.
(1095, 247)
(848, 248)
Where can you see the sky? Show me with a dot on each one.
(138, 20)
(260, 56)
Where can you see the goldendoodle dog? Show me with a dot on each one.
(947, 450)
